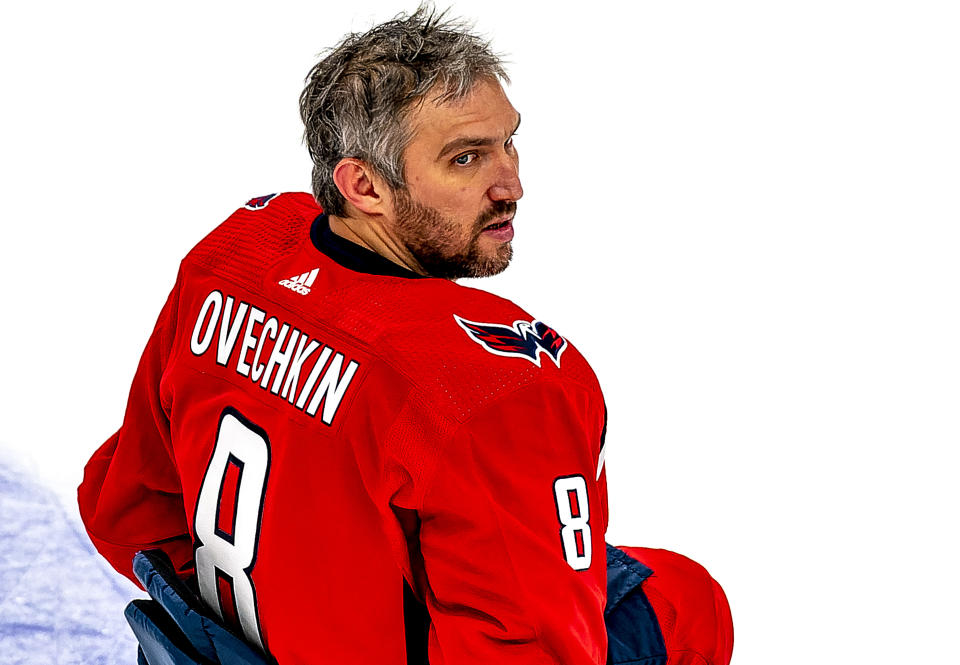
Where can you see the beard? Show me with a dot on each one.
(442, 247)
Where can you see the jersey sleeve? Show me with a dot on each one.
(130, 498)
(512, 533)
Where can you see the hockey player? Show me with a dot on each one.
(329, 433)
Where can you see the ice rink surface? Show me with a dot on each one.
(59, 601)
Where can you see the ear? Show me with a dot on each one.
(359, 185)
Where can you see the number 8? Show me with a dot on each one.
(573, 510)
(227, 522)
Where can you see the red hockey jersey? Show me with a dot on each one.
(305, 432)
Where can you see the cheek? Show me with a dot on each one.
(458, 200)
(460, 204)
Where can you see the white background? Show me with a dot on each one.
(743, 213)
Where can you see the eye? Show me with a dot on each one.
(465, 159)
(509, 143)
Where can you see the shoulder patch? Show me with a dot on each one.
(525, 339)
(258, 202)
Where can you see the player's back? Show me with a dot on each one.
(307, 401)
(258, 388)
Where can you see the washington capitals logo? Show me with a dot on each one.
(258, 202)
(526, 339)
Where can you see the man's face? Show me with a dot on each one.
(456, 214)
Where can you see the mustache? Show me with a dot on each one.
(498, 209)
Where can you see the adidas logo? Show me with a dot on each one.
(301, 283)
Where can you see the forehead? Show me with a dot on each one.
(485, 112)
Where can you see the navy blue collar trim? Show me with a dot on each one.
(351, 255)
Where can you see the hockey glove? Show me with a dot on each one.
(175, 628)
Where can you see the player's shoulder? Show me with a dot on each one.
(468, 347)
(257, 233)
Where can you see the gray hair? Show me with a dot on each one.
(358, 97)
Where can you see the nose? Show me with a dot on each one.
(506, 186)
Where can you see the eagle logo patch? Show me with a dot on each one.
(525, 339)
(258, 202)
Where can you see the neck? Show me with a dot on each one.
(373, 235)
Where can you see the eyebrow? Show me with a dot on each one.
(472, 141)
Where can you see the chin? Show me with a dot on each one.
(493, 265)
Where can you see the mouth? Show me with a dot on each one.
(498, 224)
(500, 229)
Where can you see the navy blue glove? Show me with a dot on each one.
(175, 628)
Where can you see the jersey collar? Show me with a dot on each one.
(351, 255)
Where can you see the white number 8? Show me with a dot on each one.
(227, 522)
(573, 510)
